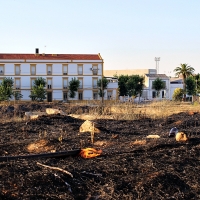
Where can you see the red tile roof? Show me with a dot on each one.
(51, 56)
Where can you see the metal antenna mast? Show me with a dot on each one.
(157, 59)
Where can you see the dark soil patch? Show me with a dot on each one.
(158, 169)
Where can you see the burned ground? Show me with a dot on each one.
(130, 167)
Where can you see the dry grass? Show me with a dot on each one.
(126, 111)
(160, 109)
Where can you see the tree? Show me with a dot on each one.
(185, 70)
(178, 94)
(17, 95)
(38, 92)
(73, 87)
(158, 85)
(135, 85)
(190, 85)
(40, 81)
(122, 80)
(197, 81)
(104, 85)
(6, 91)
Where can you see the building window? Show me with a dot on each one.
(94, 82)
(163, 94)
(80, 69)
(64, 96)
(17, 83)
(17, 69)
(32, 82)
(95, 69)
(95, 95)
(152, 85)
(49, 69)
(65, 83)
(1, 70)
(80, 95)
(81, 83)
(49, 83)
(1, 80)
(154, 94)
(33, 69)
(65, 69)
(109, 95)
(164, 83)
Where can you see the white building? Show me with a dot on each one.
(112, 90)
(150, 93)
(129, 72)
(149, 76)
(58, 70)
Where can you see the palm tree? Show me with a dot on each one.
(185, 70)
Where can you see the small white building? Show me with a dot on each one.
(149, 93)
(58, 70)
(111, 93)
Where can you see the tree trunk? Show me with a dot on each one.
(184, 89)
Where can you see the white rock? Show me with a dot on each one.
(153, 136)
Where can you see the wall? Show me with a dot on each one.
(57, 76)
(173, 87)
(129, 72)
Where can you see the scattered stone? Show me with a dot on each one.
(139, 142)
(27, 114)
(33, 117)
(88, 126)
(173, 132)
(52, 111)
(153, 136)
(181, 137)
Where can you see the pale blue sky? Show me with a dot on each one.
(129, 34)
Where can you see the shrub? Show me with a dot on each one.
(178, 94)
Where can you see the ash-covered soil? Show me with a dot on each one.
(130, 167)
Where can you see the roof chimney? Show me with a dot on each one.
(37, 51)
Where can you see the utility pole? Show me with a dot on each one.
(102, 99)
(157, 59)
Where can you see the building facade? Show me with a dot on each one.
(150, 93)
(175, 82)
(129, 72)
(111, 93)
(58, 70)
(149, 76)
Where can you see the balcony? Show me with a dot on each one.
(80, 72)
(95, 71)
(64, 73)
(48, 86)
(49, 72)
(17, 87)
(17, 72)
(64, 87)
(95, 86)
